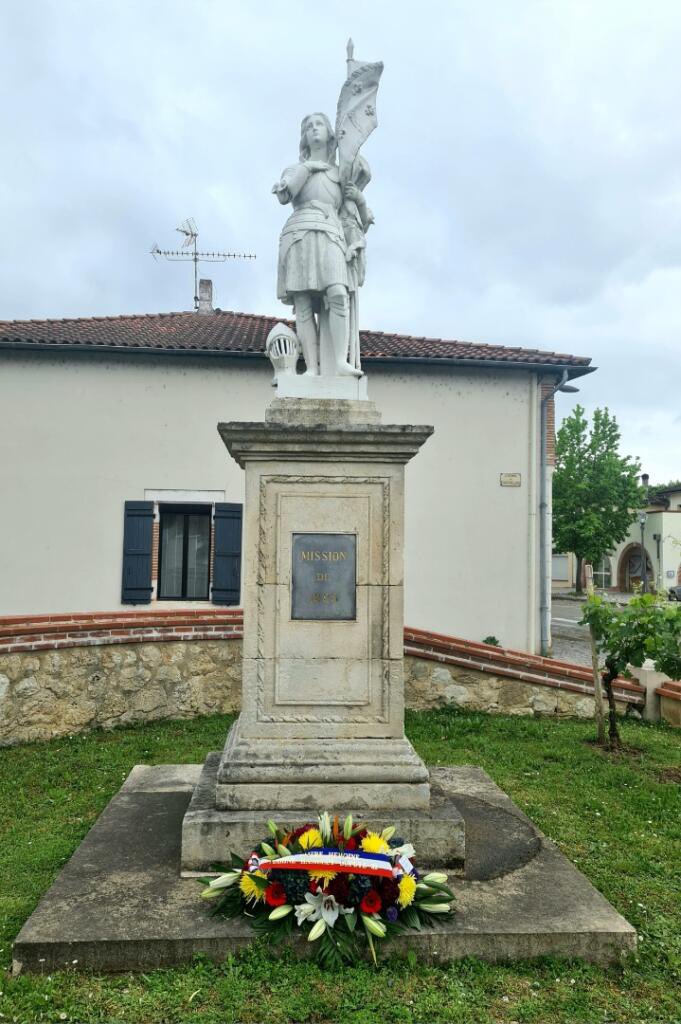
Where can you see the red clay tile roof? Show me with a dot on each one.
(244, 334)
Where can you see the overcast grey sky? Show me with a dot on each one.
(527, 170)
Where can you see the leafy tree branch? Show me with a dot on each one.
(596, 493)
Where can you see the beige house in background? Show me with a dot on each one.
(113, 470)
(621, 570)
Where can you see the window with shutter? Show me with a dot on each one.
(184, 552)
(227, 556)
(137, 534)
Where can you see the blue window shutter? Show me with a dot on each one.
(227, 555)
(137, 534)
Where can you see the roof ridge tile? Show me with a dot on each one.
(233, 333)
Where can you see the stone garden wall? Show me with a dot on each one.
(429, 685)
(53, 693)
(62, 675)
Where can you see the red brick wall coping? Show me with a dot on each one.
(504, 661)
(51, 632)
(671, 690)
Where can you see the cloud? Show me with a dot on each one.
(526, 170)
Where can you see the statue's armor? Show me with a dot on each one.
(312, 245)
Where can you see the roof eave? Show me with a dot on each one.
(555, 369)
(503, 364)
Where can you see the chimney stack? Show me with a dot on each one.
(205, 296)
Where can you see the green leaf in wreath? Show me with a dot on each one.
(411, 918)
(350, 921)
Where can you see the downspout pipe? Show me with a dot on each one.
(544, 578)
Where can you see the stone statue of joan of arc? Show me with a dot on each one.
(322, 245)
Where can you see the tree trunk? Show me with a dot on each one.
(613, 730)
(598, 693)
(578, 579)
(596, 675)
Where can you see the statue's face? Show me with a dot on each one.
(316, 132)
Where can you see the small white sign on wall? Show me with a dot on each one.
(509, 479)
(670, 574)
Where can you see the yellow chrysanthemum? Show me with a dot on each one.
(250, 889)
(373, 843)
(407, 887)
(311, 840)
(323, 876)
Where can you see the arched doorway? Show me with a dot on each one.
(629, 572)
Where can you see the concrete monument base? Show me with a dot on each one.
(121, 905)
(208, 832)
(322, 712)
(316, 775)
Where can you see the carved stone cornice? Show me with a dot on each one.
(321, 442)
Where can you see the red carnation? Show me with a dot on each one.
(371, 904)
(390, 891)
(350, 844)
(275, 895)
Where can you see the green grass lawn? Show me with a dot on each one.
(614, 817)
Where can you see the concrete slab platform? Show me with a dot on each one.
(120, 903)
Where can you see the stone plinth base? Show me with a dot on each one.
(314, 774)
(208, 832)
(300, 385)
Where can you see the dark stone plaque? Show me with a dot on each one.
(324, 576)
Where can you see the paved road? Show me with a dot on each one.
(570, 640)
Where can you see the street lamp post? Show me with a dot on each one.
(657, 537)
(643, 518)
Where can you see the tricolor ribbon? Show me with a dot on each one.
(376, 864)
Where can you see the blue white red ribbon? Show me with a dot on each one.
(376, 864)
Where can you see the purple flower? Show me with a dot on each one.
(392, 913)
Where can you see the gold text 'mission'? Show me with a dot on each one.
(323, 556)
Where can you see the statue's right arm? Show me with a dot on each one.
(292, 180)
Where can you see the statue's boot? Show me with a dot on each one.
(339, 319)
(306, 329)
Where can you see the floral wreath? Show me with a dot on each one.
(327, 879)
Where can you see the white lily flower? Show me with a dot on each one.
(324, 907)
(435, 878)
(224, 881)
(325, 826)
(303, 911)
(316, 931)
(406, 850)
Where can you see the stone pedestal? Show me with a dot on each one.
(322, 719)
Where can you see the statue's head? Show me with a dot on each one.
(317, 128)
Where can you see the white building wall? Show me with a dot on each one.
(82, 433)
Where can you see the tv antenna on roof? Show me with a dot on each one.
(189, 251)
